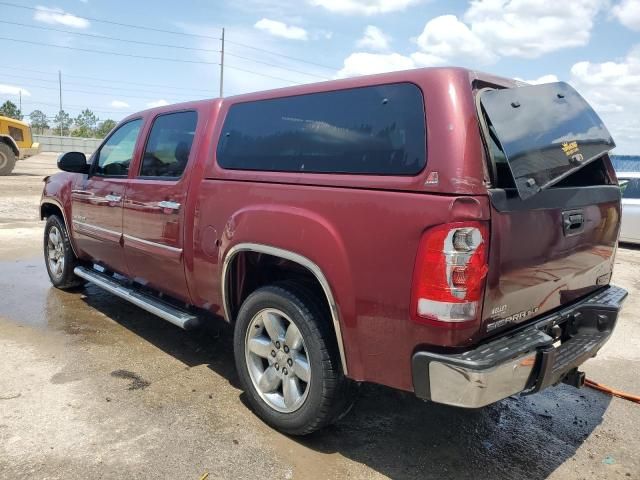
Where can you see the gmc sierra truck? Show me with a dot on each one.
(439, 231)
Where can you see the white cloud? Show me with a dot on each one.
(531, 28)
(549, 78)
(374, 39)
(281, 29)
(119, 104)
(13, 90)
(445, 38)
(361, 63)
(59, 16)
(363, 7)
(487, 31)
(628, 13)
(157, 103)
(491, 29)
(613, 89)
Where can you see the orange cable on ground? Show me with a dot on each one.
(612, 391)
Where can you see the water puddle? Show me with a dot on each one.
(27, 296)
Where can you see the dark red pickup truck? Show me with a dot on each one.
(438, 231)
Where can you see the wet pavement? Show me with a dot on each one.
(92, 387)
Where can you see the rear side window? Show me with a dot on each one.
(169, 145)
(377, 130)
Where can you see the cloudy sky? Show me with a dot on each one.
(593, 44)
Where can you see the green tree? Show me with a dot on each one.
(105, 127)
(11, 110)
(85, 124)
(62, 122)
(38, 121)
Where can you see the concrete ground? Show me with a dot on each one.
(92, 387)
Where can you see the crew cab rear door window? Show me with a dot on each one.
(545, 132)
(378, 130)
(169, 145)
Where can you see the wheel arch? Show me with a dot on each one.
(295, 258)
(11, 143)
(50, 206)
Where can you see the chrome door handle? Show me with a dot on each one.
(168, 204)
(113, 198)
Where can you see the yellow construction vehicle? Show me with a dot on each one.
(16, 143)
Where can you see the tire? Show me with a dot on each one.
(7, 159)
(323, 392)
(58, 255)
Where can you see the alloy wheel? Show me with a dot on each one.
(55, 251)
(277, 360)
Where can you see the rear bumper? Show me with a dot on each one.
(525, 360)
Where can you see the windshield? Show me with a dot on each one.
(545, 133)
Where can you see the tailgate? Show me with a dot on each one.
(554, 226)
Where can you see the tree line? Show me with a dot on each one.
(86, 124)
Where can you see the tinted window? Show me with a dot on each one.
(16, 134)
(630, 187)
(114, 157)
(370, 130)
(545, 132)
(169, 145)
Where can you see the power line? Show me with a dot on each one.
(104, 52)
(110, 22)
(280, 55)
(261, 74)
(157, 85)
(104, 87)
(105, 37)
(124, 112)
(104, 94)
(210, 37)
(172, 87)
(111, 81)
(277, 66)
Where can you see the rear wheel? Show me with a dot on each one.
(7, 159)
(58, 254)
(287, 360)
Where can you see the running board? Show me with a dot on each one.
(149, 303)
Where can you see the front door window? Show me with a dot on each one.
(115, 156)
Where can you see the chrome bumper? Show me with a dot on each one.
(527, 360)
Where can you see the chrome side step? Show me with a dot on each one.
(151, 304)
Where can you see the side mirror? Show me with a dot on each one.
(74, 162)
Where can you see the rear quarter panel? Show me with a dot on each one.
(365, 242)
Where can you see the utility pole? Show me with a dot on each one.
(20, 101)
(222, 63)
(60, 86)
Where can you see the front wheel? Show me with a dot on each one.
(7, 159)
(58, 254)
(287, 360)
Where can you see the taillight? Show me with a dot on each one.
(450, 272)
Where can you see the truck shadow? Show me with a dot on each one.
(518, 438)
(393, 432)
